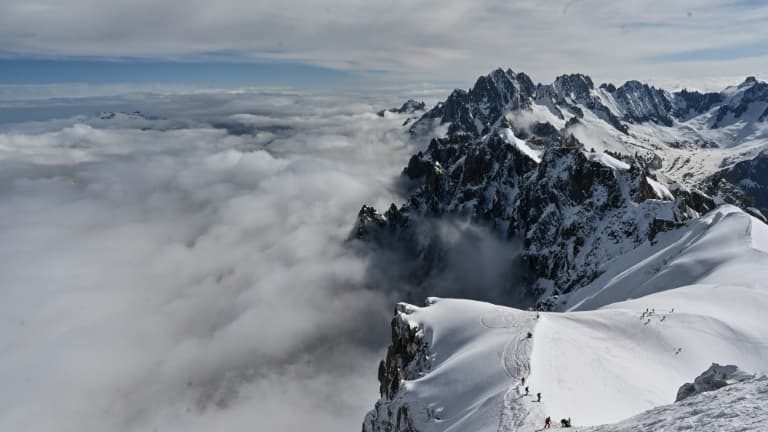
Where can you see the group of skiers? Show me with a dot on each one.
(651, 312)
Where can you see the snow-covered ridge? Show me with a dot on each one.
(614, 192)
(659, 316)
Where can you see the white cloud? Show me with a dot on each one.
(427, 39)
(189, 279)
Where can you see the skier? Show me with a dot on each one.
(538, 396)
(522, 380)
(566, 423)
(547, 423)
(526, 391)
(530, 335)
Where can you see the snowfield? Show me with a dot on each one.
(657, 318)
(735, 408)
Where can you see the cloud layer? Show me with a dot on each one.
(168, 274)
(686, 40)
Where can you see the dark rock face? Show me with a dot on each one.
(687, 103)
(751, 91)
(483, 105)
(714, 378)
(641, 103)
(573, 210)
(408, 358)
(751, 178)
(409, 107)
(544, 130)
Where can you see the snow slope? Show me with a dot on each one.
(479, 353)
(605, 359)
(735, 408)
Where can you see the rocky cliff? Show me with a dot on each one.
(573, 209)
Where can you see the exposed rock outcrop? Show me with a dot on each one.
(409, 107)
(714, 378)
(574, 210)
(408, 357)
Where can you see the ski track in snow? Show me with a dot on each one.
(516, 360)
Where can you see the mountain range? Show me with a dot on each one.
(640, 215)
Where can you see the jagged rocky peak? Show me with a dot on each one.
(572, 209)
(411, 106)
(572, 99)
(577, 86)
(502, 92)
(640, 103)
(748, 82)
(688, 102)
(482, 106)
(741, 100)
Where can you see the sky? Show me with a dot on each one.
(695, 43)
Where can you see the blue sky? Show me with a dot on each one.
(23, 71)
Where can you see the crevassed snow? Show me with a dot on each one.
(521, 145)
(658, 316)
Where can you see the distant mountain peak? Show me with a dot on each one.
(749, 82)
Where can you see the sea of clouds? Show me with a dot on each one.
(171, 274)
(187, 269)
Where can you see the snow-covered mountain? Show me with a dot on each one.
(573, 209)
(640, 214)
(579, 173)
(689, 134)
(657, 318)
